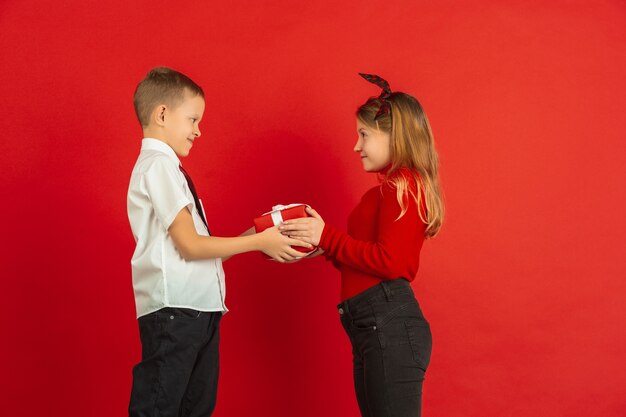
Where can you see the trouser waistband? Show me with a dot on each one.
(386, 289)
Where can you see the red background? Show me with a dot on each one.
(524, 287)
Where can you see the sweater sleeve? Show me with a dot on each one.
(395, 253)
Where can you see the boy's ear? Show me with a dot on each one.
(159, 114)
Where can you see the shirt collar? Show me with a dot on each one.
(151, 144)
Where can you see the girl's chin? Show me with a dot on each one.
(370, 168)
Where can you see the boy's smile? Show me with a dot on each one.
(181, 124)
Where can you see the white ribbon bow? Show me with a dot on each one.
(276, 215)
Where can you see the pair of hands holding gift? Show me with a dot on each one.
(307, 229)
(289, 233)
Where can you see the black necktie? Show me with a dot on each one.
(195, 197)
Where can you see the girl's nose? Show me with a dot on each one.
(357, 146)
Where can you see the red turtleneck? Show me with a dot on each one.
(377, 246)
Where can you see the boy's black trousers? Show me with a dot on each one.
(179, 368)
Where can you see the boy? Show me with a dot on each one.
(178, 278)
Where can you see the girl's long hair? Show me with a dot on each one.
(413, 147)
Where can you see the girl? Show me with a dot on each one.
(379, 255)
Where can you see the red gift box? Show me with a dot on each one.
(279, 214)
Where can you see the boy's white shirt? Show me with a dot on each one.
(161, 277)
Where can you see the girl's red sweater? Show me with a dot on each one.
(377, 246)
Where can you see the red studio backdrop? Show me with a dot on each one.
(524, 287)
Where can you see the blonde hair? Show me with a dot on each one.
(162, 85)
(412, 146)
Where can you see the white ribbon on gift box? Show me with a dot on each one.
(277, 217)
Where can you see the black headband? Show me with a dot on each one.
(384, 95)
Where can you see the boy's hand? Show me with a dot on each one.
(307, 229)
(279, 246)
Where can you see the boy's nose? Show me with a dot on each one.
(197, 133)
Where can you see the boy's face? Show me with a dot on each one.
(181, 124)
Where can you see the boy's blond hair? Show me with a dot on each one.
(162, 85)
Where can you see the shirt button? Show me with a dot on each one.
(341, 311)
(171, 317)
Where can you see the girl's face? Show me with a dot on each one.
(373, 147)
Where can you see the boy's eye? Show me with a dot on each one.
(193, 120)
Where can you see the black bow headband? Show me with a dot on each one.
(384, 95)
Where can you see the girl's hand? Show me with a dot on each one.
(279, 247)
(307, 229)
